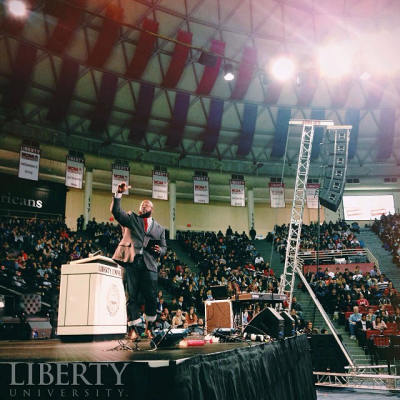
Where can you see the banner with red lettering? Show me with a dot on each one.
(120, 173)
(238, 197)
(277, 195)
(29, 158)
(160, 185)
(74, 171)
(201, 192)
(312, 192)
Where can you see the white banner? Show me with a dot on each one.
(201, 192)
(238, 193)
(74, 172)
(277, 195)
(160, 185)
(29, 158)
(120, 173)
(312, 193)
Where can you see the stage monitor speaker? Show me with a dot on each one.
(269, 322)
(336, 149)
(218, 314)
(39, 328)
(326, 354)
(290, 325)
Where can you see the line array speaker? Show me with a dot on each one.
(336, 149)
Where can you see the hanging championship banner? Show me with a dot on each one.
(312, 192)
(238, 193)
(277, 195)
(29, 158)
(160, 185)
(74, 171)
(201, 192)
(120, 173)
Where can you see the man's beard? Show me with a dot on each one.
(145, 215)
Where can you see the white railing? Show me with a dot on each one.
(325, 255)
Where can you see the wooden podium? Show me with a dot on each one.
(92, 298)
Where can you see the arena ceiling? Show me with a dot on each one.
(150, 100)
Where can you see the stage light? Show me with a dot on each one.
(335, 60)
(283, 69)
(228, 72)
(17, 8)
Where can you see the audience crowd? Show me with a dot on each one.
(388, 229)
(333, 236)
(32, 252)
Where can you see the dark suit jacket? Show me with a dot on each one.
(359, 325)
(140, 238)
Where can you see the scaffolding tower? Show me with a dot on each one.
(296, 217)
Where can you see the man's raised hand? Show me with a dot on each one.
(122, 187)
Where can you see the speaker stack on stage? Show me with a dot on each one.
(336, 148)
(267, 322)
(289, 324)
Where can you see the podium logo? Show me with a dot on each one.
(113, 300)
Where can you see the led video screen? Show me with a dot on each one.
(367, 207)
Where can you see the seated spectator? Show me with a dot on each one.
(160, 305)
(259, 259)
(179, 320)
(382, 312)
(362, 301)
(379, 324)
(162, 322)
(353, 319)
(298, 321)
(18, 281)
(361, 328)
(173, 306)
(371, 315)
(181, 304)
(309, 330)
(191, 317)
(297, 306)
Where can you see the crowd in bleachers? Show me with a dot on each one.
(227, 261)
(32, 252)
(388, 229)
(366, 303)
(333, 236)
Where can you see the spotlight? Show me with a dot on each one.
(207, 59)
(335, 60)
(228, 72)
(283, 69)
(17, 8)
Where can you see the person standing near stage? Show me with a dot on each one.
(148, 238)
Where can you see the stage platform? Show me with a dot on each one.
(53, 369)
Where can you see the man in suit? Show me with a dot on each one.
(148, 238)
(361, 328)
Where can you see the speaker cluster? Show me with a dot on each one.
(336, 149)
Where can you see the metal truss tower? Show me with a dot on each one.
(296, 218)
